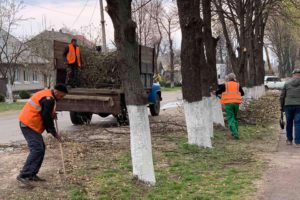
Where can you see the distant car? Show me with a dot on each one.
(273, 82)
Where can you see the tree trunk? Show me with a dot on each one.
(9, 86)
(192, 47)
(136, 98)
(171, 60)
(210, 46)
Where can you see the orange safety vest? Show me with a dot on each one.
(232, 93)
(31, 116)
(72, 55)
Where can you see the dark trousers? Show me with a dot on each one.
(72, 75)
(36, 155)
(292, 119)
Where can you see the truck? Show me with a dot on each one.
(106, 100)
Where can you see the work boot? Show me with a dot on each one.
(36, 178)
(25, 181)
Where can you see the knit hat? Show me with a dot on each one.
(61, 88)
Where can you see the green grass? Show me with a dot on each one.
(13, 106)
(76, 193)
(185, 171)
(168, 89)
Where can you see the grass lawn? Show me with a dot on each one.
(168, 89)
(13, 106)
(228, 171)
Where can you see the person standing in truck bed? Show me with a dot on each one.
(73, 59)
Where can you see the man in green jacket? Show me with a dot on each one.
(290, 104)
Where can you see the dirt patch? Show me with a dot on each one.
(80, 148)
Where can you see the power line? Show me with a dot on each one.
(50, 9)
(80, 12)
(144, 4)
(93, 12)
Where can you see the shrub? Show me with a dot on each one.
(24, 95)
(2, 98)
(165, 84)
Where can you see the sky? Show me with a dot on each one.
(82, 15)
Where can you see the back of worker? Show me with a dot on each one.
(231, 96)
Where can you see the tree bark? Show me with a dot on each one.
(192, 67)
(136, 98)
(210, 46)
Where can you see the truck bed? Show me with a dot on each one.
(92, 100)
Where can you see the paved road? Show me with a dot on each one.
(10, 131)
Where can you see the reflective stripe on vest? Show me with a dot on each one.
(232, 93)
(31, 116)
(73, 54)
(34, 105)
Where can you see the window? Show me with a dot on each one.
(17, 75)
(273, 79)
(34, 76)
(26, 75)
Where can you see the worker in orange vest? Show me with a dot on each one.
(231, 95)
(36, 116)
(73, 59)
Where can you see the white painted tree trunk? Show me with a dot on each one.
(140, 142)
(198, 126)
(255, 92)
(217, 112)
(10, 98)
(209, 116)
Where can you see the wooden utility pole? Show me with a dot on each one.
(103, 26)
(268, 60)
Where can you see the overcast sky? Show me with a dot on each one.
(76, 14)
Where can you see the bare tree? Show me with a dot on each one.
(147, 15)
(11, 49)
(247, 20)
(170, 24)
(136, 98)
(283, 34)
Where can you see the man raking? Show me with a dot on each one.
(36, 116)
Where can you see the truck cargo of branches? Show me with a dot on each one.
(100, 90)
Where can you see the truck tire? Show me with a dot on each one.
(103, 115)
(80, 118)
(155, 108)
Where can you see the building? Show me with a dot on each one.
(42, 45)
(20, 65)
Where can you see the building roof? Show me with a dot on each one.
(64, 37)
(15, 46)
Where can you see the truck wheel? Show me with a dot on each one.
(103, 115)
(155, 108)
(266, 87)
(80, 118)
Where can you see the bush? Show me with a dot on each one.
(2, 98)
(165, 84)
(24, 95)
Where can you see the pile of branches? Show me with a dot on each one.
(99, 69)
